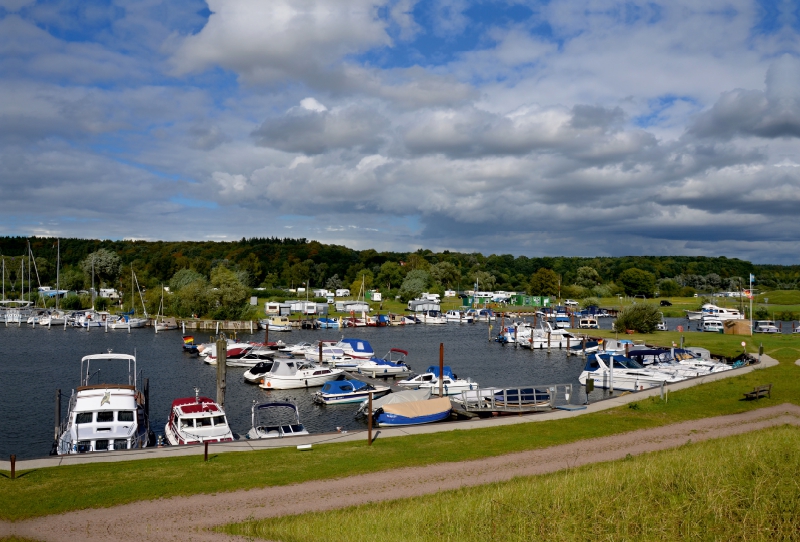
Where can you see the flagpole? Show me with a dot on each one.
(751, 304)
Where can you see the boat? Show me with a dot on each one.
(188, 344)
(413, 412)
(288, 374)
(431, 317)
(451, 384)
(398, 320)
(234, 350)
(278, 323)
(458, 317)
(298, 348)
(267, 423)
(711, 310)
(624, 373)
(103, 417)
(346, 390)
(393, 363)
(357, 348)
(328, 323)
(255, 374)
(161, 322)
(590, 346)
(194, 420)
(675, 361)
(330, 353)
(588, 323)
(545, 336)
(129, 320)
(251, 358)
(379, 320)
(712, 325)
(766, 326)
(481, 315)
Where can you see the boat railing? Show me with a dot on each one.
(519, 399)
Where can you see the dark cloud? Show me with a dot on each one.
(593, 116)
(316, 132)
(773, 113)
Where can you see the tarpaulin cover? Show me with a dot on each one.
(415, 409)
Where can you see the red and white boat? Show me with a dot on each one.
(193, 420)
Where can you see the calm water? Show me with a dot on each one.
(35, 362)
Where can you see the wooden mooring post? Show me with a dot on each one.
(13, 466)
(441, 369)
(369, 421)
(222, 366)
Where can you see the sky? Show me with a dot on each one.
(576, 128)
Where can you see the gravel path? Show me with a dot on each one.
(188, 518)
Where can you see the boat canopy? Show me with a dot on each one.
(335, 387)
(405, 396)
(359, 346)
(435, 370)
(416, 409)
(283, 368)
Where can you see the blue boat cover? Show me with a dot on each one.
(337, 387)
(435, 370)
(360, 346)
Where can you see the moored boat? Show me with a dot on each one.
(346, 390)
(194, 420)
(103, 417)
(275, 420)
(288, 374)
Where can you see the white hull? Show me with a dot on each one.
(271, 382)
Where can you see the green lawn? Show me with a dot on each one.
(59, 489)
(737, 488)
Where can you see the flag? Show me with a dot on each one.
(188, 339)
(752, 277)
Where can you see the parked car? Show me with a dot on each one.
(665, 303)
(571, 303)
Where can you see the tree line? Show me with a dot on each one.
(201, 268)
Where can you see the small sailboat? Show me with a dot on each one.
(161, 322)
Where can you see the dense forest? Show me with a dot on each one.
(274, 264)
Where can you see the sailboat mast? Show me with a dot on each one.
(58, 265)
(92, 282)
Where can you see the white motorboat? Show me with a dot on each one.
(276, 323)
(711, 310)
(251, 358)
(357, 348)
(712, 325)
(451, 384)
(393, 363)
(545, 336)
(103, 417)
(766, 326)
(481, 315)
(194, 420)
(458, 317)
(624, 373)
(345, 390)
(295, 348)
(431, 317)
(287, 374)
(165, 323)
(275, 420)
(678, 362)
(588, 323)
(255, 374)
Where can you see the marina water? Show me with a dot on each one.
(34, 362)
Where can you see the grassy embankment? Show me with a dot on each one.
(53, 490)
(736, 488)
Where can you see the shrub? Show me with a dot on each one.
(761, 313)
(641, 318)
(786, 316)
(71, 303)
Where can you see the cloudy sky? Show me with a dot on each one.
(540, 128)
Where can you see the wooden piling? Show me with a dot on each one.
(222, 365)
(57, 425)
(369, 420)
(13, 466)
(441, 369)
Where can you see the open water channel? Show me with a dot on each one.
(36, 362)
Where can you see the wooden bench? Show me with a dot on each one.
(759, 392)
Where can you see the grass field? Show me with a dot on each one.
(736, 488)
(54, 490)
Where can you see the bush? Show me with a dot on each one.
(590, 302)
(761, 313)
(641, 318)
(102, 303)
(687, 291)
(71, 303)
(786, 316)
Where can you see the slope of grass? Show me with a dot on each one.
(738, 488)
(54, 490)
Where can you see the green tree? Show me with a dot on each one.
(637, 282)
(668, 288)
(641, 318)
(588, 277)
(486, 281)
(391, 273)
(446, 274)
(333, 283)
(182, 278)
(227, 295)
(544, 282)
(193, 298)
(107, 265)
(416, 282)
(70, 280)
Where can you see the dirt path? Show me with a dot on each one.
(188, 518)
